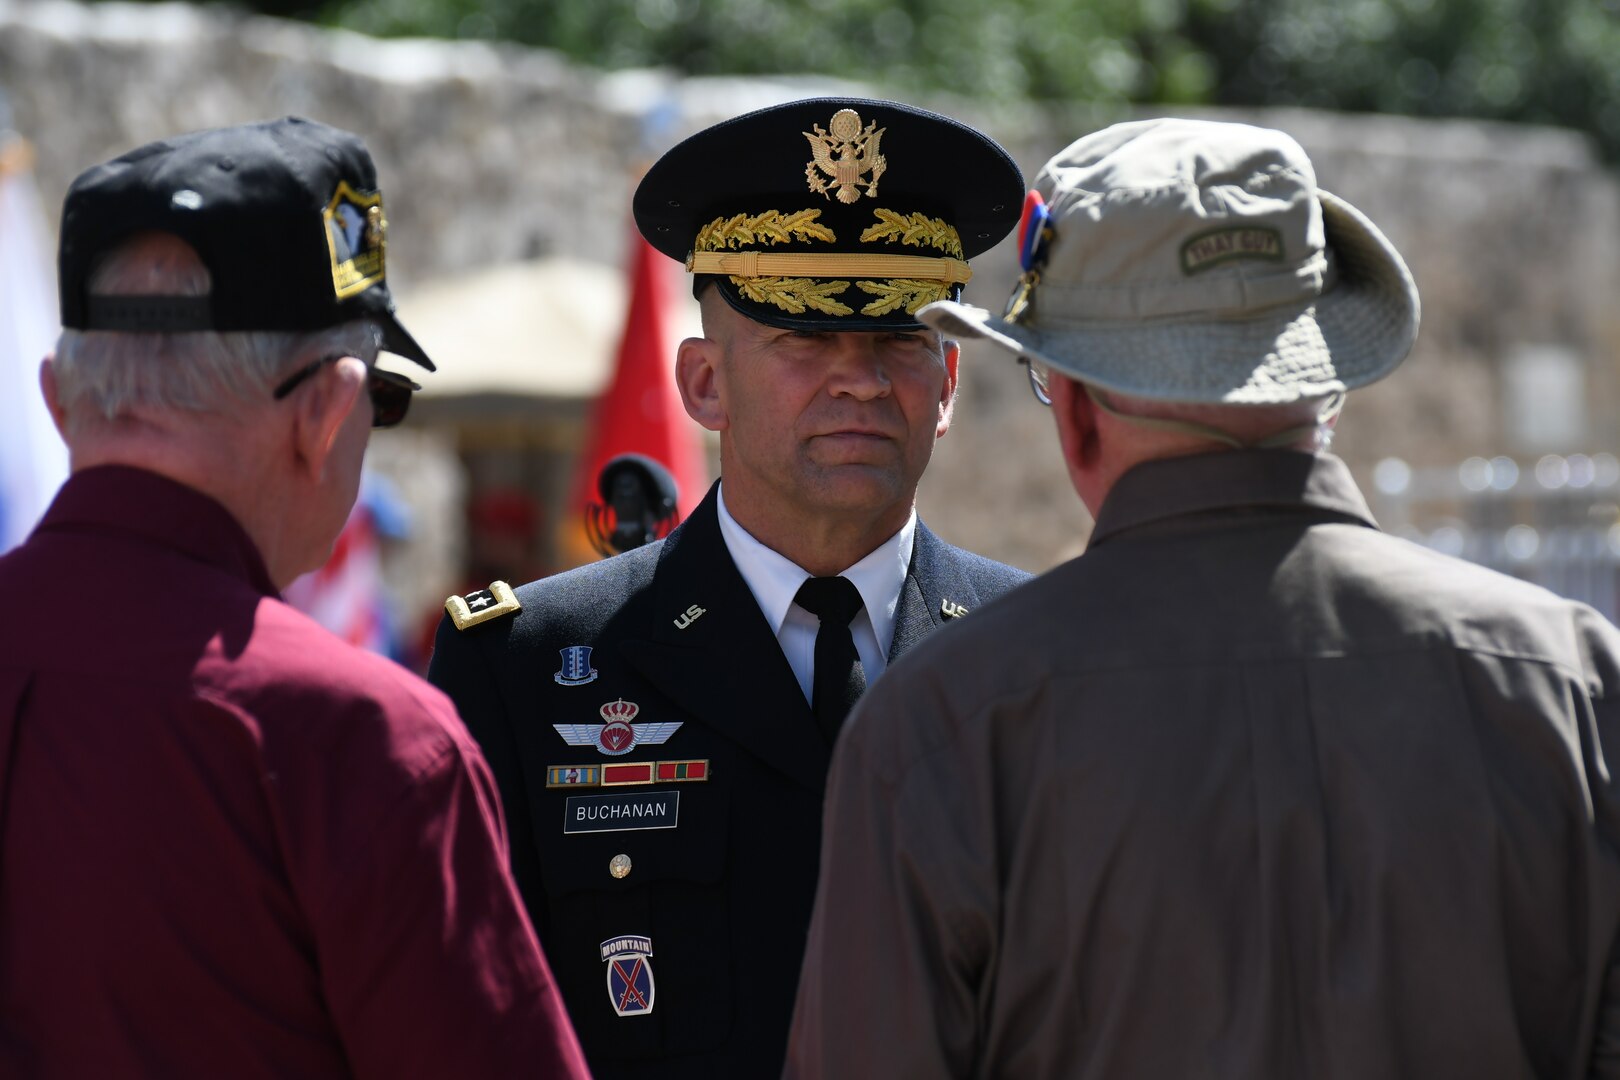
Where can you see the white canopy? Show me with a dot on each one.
(546, 328)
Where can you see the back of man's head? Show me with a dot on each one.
(224, 298)
(103, 376)
(222, 252)
(1192, 274)
(1198, 262)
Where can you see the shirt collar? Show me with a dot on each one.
(144, 504)
(774, 579)
(1196, 483)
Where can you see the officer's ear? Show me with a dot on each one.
(697, 374)
(952, 352)
(321, 406)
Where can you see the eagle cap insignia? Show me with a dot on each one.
(845, 151)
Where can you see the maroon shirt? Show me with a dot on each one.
(230, 844)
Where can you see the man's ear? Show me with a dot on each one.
(947, 394)
(697, 374)
(49, 390)
(1076, 417)
(320, 409)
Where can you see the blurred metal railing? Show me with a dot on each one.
(1554, 521)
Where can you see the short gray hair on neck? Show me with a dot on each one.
(1305, 424)
(109, 373)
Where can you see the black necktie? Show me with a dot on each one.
(839, 678)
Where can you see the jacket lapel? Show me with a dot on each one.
(710, 650)
(932, 588)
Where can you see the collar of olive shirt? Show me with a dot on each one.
(1155, 491)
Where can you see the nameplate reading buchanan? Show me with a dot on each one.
(617, 813)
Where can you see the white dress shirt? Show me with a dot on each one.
(774, 580)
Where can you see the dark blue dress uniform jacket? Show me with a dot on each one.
(724, 897)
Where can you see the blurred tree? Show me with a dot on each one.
(1545, 61)
(1540, 61)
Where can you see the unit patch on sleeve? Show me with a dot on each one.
(629, 974)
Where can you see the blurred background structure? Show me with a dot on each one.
(1479, 135)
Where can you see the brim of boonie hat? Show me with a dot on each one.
(1355, 333)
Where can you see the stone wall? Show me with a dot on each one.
(490, 154)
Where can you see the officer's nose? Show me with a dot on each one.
(857, 368)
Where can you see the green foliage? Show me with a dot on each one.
(1546, 61)
(1542, 61)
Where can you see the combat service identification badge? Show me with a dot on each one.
(629, 974)
(576, 666)
(616, 735)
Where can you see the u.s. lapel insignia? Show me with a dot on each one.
(616, 735)
(846, 152)
(951, 609)
(576, 666)
(629, 974)
(482, 606)
(689, 616)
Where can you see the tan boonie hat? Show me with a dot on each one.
(1194, 261)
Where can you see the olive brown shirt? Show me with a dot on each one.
(1250, 789)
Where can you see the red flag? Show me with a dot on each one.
(640, 411)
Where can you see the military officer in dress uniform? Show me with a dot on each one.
(660, 723)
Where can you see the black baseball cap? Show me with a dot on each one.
(285, 214)
(831, 213)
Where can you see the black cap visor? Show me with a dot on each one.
(397, 340)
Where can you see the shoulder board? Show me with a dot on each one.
(483, 605)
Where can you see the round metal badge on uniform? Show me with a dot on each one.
(619, 866)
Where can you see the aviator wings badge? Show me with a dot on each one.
(616, 735)
(846, 152)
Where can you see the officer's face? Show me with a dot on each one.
(823, 423)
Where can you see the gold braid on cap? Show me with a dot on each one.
(916, 230)
(785, 280)
(793, 295)
(771, 227)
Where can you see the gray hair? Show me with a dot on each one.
(111, 372)
(1305, 424)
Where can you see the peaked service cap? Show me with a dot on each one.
(285, 214)
(831, 213)
(1195, 261)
